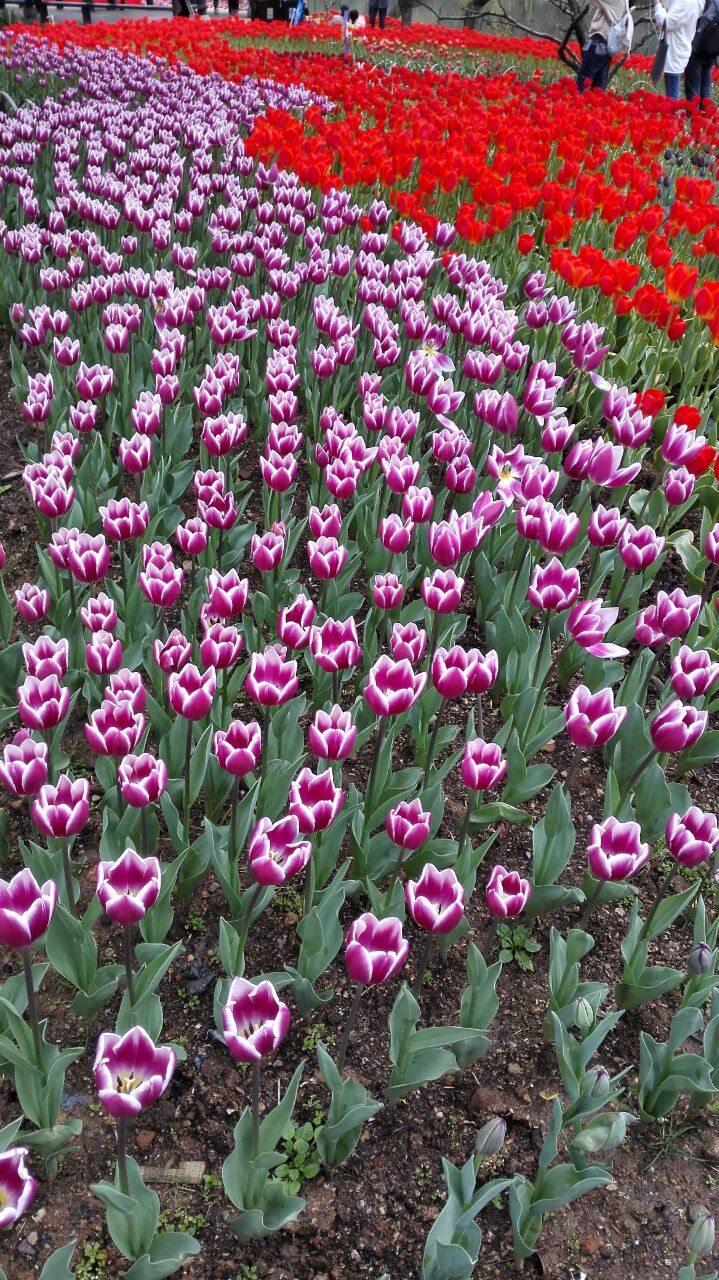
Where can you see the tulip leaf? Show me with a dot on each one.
(71, 949)
(350, 1107)
(653, 981)
(9, 1133)
(57, 1266)
(668, 911)
(167, 1252)
(131, 1218)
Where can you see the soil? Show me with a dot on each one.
(370, 1217)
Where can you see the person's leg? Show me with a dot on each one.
(601, 75)
(382, 16)
(594, 63)
(671, 85)
(705, 87)
(372, 14)
(693, 78)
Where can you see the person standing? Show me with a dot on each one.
(596, 58)
(679, 18)
(377, 9)
(705, 49)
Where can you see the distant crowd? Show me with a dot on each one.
(687, 46)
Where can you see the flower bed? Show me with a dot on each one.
(346, 560)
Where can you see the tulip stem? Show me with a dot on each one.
(247, 917)
(709, 588)
(480, 717)
(186, 798)
(67, 873)
(127, 957)
(434, 639)
(349, 1026)
(658, 897)
(464, 830)
(432, 742)
(489, 937)
(628, 788)
(335, 686)
(540, 650)
(381, 730)
(50, 771)
(144, 832)
(573, 769)
(422, 964)
(32, 1005)
(255, 1107)
(310, 882)
(122, 1154)
(118, 796)
(265, 742)
(591, 903)
(233, 819)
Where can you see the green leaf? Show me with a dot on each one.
(167, 1253)
(57, 1266)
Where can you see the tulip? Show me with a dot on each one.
(700, 960)
(17, 1186)
(483, 765)
(315, 801)
(591, 718)
(23, 769)
(103, 653)
(220, 648)
(46, 658)
(615, 850)
(676, 612)
(408, 641)
(693, 673)
(335, 645)
(114, 729)
(375, 950)
(507, 893)
(62, 811)
(272, 681)
(693, 838)
(392, 687)
(128, 887)
(332, 734)
(99, 613)
(435, 901)
(676, 726)
(408, 825)
(131, 1073)
(254, 1020)
(142, 779)
(275, 853)
(32, 602)
(172, 654)
(442, 591)
(294, 623)
(451, 670)
(191, 691)
(387, 591)
(553, 587)
(43, 704)
(26, 909)
(588, 623)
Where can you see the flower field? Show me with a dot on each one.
(359, 546)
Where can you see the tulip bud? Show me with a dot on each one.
(583, 1014)
(490, 1138)
(596, 1083)
(700, 960)
(701, 1235)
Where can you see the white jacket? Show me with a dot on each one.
(681, 17)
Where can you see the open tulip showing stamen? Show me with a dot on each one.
(17, 1186)
(131, 1072)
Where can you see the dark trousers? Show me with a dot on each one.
(594, 66)
(374, 13)
(698, 78)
